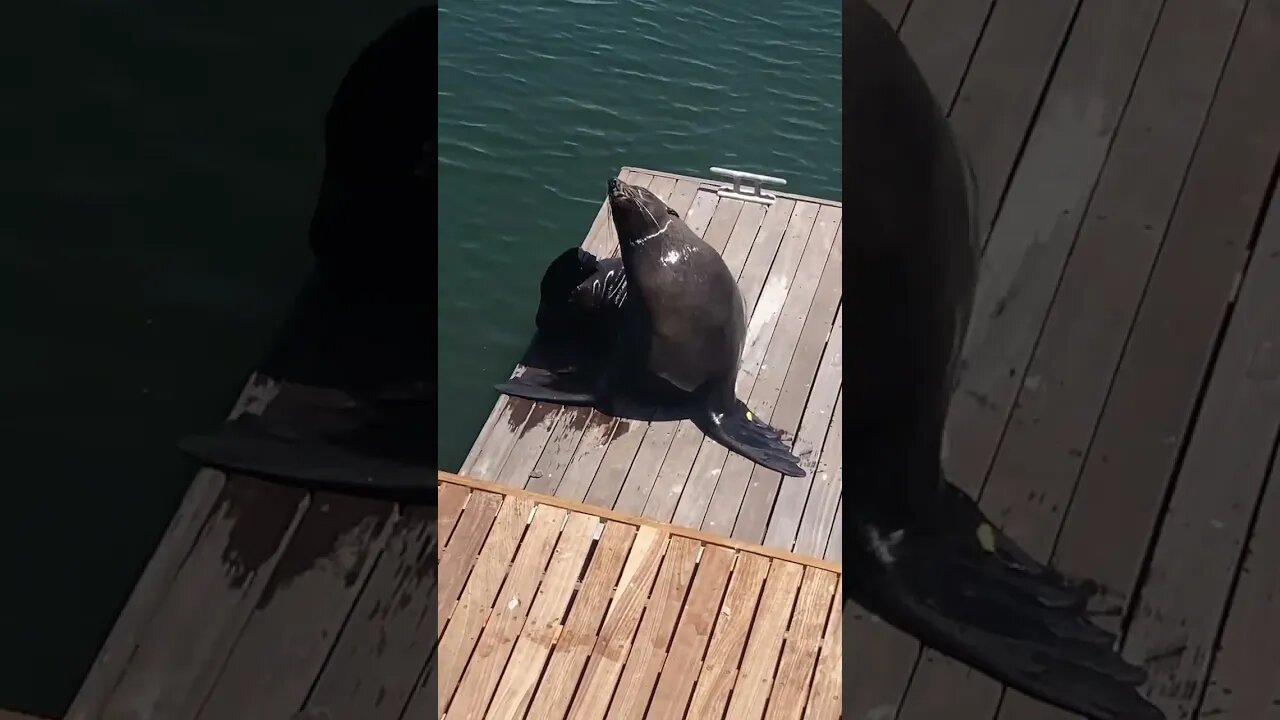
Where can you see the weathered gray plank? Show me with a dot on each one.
(941, 36)
(389, 636)
(1151, 401)
(789, 370)
(303, 606)
(172, 549)
(1242, 684)
(1176, 623)
(206, 605)
(1002, 87)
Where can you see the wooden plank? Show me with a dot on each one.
(824, 495)
(701, 609)
(508, 615)
(1154, 393)
(825, 693)
(804, 640)
(630, 490)
(717, 184)
(687, 491)
(459, 556)
(450, 502)
(759, 662)
(303, 606)
(835, 542)
(1059, 398)
(714, 505)
(787, 372)
(720, 666)
(1242, 684)
(533, 644)
(621, 621)
(391, 631)
(205, 606)
(1003, 87)
(1036, 230)
(459, 635)
(677, 530)
(149, 591)
(631, 699)
(551, 698)
(640, 473)
(941, 36)
(1189, 579)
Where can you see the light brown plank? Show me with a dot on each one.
(551, 698)
(450, 501)
(804, 640)
(825, 693)
(720, 667)
(621, 621)
(533, 646)
(679, 671)
(459, 635)
(756, 677)
(457, 559)
(510, 609)
(677, 530)
(649, 650)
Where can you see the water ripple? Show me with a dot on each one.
(541, 103)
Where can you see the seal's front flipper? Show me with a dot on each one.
(959, 585)
(547, 386)
(742, 432)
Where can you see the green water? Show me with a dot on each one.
(541, 102)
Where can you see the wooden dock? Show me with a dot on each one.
(787, 258)
(604, 615)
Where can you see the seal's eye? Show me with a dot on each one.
(672, 213)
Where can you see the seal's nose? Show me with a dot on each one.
(616, 186)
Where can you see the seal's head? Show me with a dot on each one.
(638, 214)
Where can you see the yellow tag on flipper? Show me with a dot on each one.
(987, 537)
(750, 416)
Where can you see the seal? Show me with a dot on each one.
(669, 328)
(919, 552)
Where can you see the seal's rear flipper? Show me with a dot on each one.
(547, 386)
(961, 586)
(742, 432)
